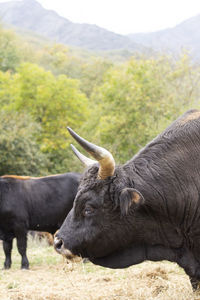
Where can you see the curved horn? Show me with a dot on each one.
(84, 159)
(104, 157)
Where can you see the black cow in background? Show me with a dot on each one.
(146, 209)
(28, 203)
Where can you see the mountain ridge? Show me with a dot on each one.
(183, 36)
(30, 15)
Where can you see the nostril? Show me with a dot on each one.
(58, 243)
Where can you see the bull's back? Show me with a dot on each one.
(41, 203)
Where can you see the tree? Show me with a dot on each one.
(138, 100)
(54, 103)
(59, 60)
(9, 50)
(19, 151)
(9, 90)
(92, 74)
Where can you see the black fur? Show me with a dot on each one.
(166, 223)
(33, 204)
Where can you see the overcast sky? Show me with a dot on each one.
(126, 16)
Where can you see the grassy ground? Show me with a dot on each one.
(52, 278)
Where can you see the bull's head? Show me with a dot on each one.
(100, 221)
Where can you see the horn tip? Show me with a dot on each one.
(71, 132)
(74, 149)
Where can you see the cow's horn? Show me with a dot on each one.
(84, 159)
(104, 157)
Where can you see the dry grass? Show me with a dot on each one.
(52, 278)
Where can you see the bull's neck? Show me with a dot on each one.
(159, 212)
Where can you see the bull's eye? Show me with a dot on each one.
(88, 211)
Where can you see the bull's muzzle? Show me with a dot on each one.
(60, 248)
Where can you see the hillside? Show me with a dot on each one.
(184, 36)
(30, 15)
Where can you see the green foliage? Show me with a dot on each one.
(19, 151)
(53, 102)
(45, 87)
(58, 59)
(138, 100)
(89, 70)
(92, 75)
(9, 50)
(8, 89)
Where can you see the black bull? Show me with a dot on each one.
(146, 209)
(28, 203)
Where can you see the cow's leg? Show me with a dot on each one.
(7, 247)
(21, 246)
(194, 282)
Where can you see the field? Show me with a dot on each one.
(51, 277)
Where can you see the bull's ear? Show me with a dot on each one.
(130, 198)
